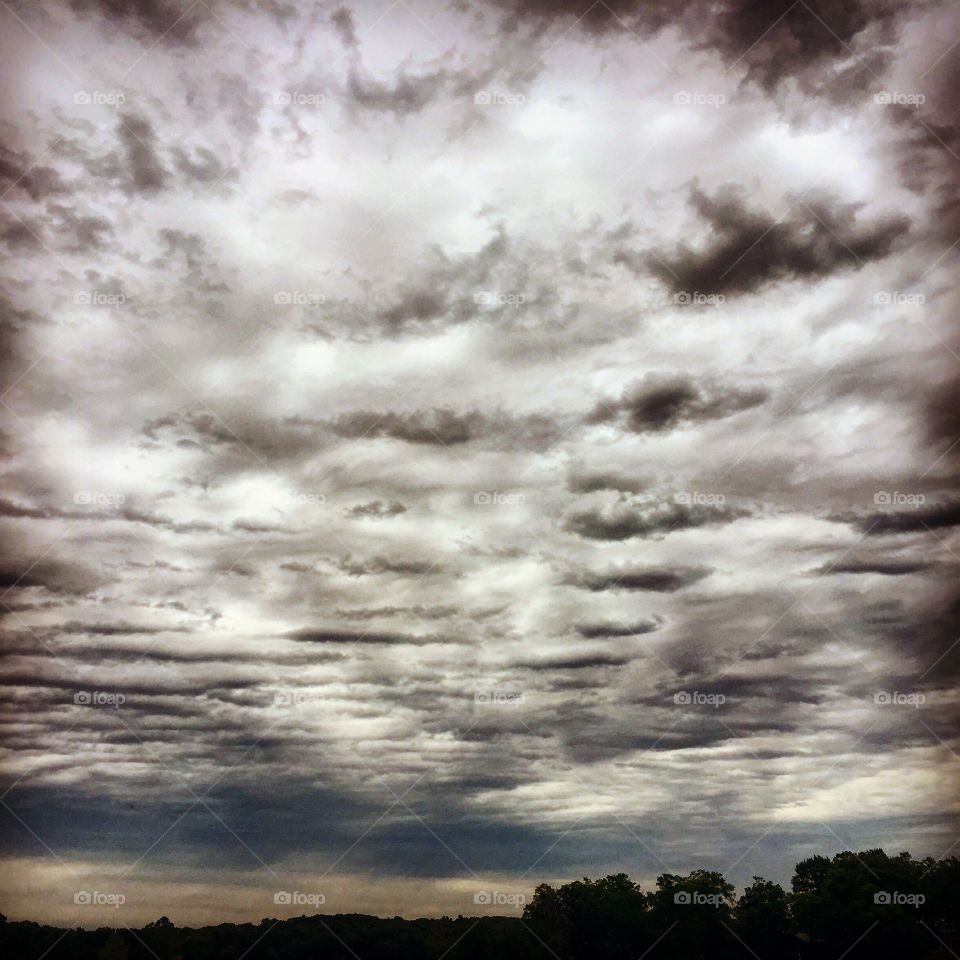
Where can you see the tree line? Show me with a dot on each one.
(855, 906)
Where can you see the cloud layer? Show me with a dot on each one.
(464, 446)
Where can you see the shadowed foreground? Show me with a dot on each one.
(856, 905)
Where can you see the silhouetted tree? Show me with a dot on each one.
(940, 881)
(588, 918)
(114, 949)
(856, 905)
(693, 915)
(873, 905)
(160, 939)
(547, 916)
(762, 916)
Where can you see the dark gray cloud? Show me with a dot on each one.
(910, 519)
(375, 566)
(9, 508)
(446, 427)
(408, 93)
(146, 171)
(93, 653)
(444, 289)
(415, 305)
(587, 482)
(203, 166)
(191, 245)
(417, 611)
(18, 171)
(52, 575)
(359, 637)
(257, 526)
(105, 514)
(768, 42)
(583, 661)
(443, 427)
(749, 247)
(887, 568)
(112, 629)
(342, 19)
(625, 520)
(160, 20)
(71, 684)
(941, 415)
(20, 234)
(779, 40)
(242, 440)
(655, 579)
(376, 509)
(81, 232)
(598, 631)
(659, 402)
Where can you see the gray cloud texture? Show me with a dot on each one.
(450, 448)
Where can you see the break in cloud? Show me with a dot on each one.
(454, 446)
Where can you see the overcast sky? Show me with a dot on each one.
(449, 447)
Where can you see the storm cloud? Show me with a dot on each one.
(443, 444)
(660, 402)
(747, 248)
